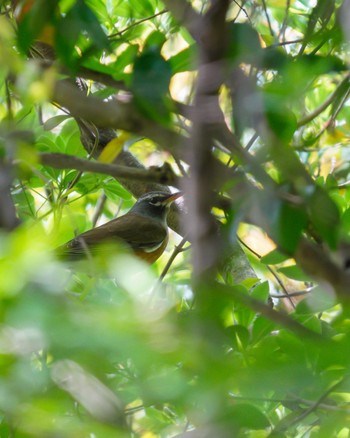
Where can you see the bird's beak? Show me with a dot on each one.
(172, 198)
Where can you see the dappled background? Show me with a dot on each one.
(241, 328)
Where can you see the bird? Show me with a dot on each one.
(143, 228)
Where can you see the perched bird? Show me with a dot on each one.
(143, 228)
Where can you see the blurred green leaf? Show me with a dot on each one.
(294, 272)
(184, 60)
(155, 40)
(248, 416)
(25, 203)
(150, 83)
(88, 183)
(179, 354)
(274, 257)
(244, 44)
(125, 58)
(115, 191)
(35, 18)
(52, 123)
(261, 291)
(324, 215)
(237, 337)
(261, 328)
(79, 20)
(281, 119)
(310, 321)
(291, 224)
(319, 300)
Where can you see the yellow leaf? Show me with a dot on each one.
(113, 148)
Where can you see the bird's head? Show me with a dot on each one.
(155, 204)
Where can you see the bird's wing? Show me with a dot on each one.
(145, 233)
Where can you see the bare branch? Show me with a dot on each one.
(307, 119)
(136, 23)
(163, 174)
(116, 114)
(283, 425)
(177, 250)
(282, 319)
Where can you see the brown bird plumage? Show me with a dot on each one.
(143, 228)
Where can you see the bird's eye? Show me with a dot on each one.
(155, 203)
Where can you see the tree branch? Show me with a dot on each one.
(202, 229)
(307, 119)
(282, 319)
(118, 115)
(163, 174)
(124, 116)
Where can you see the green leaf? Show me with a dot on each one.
(294, 272)
(272, 59)
(316, 65)
(124, 58)
(244, 43)
(248, 416)
(331, 182)
(261, 327)
(150, 84)
(292, 222)
(25, 204)
(237, 337)
(286, 222)
(274, 257)
(249, 283)
(184, 60)
(324, 215)
(318, 300)
(40, 15)
(88, 183)
(261, 291)
(281, 119)
(92, 64)
(345, 221)
(115, 191)
(309, 321)
(78, 21)
(53, 122)
(155, 40)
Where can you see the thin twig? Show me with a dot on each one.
(99, 209)
(268, 19)
(241, 9)
(324, 105)
(278, 317)
(340, 106)
(306, 412)
(178, 248)
(293, 294)
(8, 100)
(285, 43)
(290, 400)
(77, 178)
(285, 20)
(136, 23)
